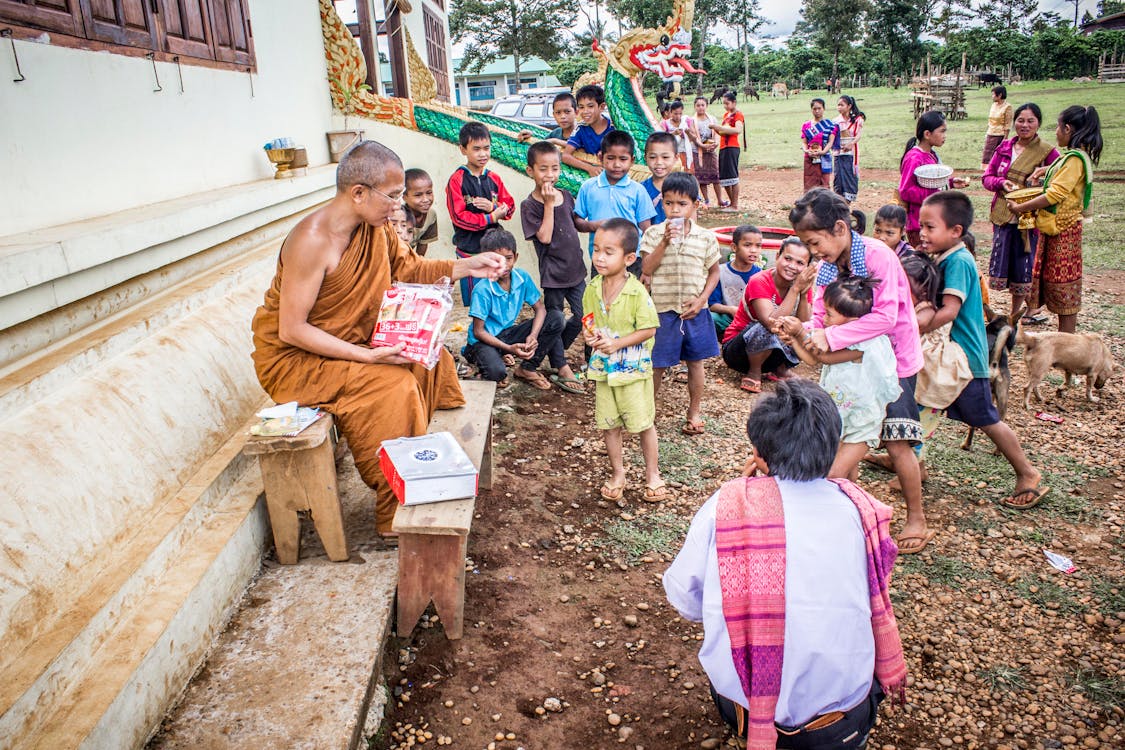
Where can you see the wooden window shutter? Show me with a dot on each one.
(63, 16)
(186, 27)
(435, 51)
(127, 22)
(230, 31)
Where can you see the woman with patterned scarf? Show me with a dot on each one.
(777, 566)
(1011, 167)
(819, 136)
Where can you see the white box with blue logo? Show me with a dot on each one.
(427, 469)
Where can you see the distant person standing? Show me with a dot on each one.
(846, 171)
(818, 137)
(729, 148)
(1000, 117)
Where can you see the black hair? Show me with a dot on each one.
(700, 97)
(1032, 107)
(675, 104)
(926, 276)
(660, 136)
(1000, 91)
(681, 183)
(853, 109)
(473, 131)
(851, 296)
(497, 238)
(741, 231)
(928, 122)
(565, 96)
(664, 110)
(796, 431)
(538, 149)
(891, 213)
(956, 210)
(731, 96)
(1087, 130)
(590, 91)
(617, 138)
(630, 237)
(414, 175)
(820, 209)
(794, 240)
(815, 100)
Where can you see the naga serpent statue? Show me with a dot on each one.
(662, 52)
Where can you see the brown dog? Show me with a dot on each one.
(1073, 353)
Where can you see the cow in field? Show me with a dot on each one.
(779, 89)
(749, 91)
(988, 78)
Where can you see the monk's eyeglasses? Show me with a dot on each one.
(396, 199)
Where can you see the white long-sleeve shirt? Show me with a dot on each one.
(829, 655)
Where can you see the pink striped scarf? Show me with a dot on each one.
(750, 537)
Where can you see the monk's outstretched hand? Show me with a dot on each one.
(388, 355)
(486, 265)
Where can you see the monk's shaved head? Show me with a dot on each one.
(366, 163)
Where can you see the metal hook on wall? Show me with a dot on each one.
(151, 56)
(7, 34)
(250, 75)
(180, 69)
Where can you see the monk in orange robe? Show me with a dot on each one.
(312, 331)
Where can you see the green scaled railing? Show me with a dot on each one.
(626, 112)
(538, 131)
(505, 148)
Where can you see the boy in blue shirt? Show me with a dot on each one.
(589, 135)
(612, 194)
(733, 276)
(660, 158)
(494, 333)
(945, 219)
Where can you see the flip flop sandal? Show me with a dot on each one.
(1035, 495)
(536, 380)
(920, 542)
(750, 385)
(502, 384)
(658, 493)
(724, 204)
(612, 493)
(694, 428)
(571, 385)
(1034, 320)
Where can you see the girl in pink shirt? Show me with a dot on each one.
(823, 221)
(929, 134)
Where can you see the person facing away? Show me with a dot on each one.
(945, 219)
(779, 565)
(496, 306)
(550, 223)
(613, 194)
(419, 200)
(312, 331)
(591, 131)
(622, 323)
(862, 379)
(723, 303)
(660, 158)
(682, 260)
(475, 197)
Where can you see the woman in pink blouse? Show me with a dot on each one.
(929, 134)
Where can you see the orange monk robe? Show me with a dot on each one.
(371, 403)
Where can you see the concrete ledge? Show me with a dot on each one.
(48, 268)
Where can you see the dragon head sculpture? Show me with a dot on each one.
(663, 51)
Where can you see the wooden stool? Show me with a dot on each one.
(299, 473)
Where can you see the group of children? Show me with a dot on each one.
(892, 329)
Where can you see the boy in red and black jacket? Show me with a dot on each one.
(475, 197)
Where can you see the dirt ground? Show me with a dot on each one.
(569, 642)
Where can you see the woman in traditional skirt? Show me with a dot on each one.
(818, 138)
(1068, 185)
(749, 344)
(729, 150)
(1010, 168)
(706, 151)
(846, 171)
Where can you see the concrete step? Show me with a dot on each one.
(300, 665)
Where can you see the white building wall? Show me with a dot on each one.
(86, 135)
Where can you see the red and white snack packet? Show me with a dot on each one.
(416, 315)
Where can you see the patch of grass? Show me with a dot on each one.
(1105, 315)
(503, 447)
(950, 571)
(910, 565)
(1070, 507)
(946, 460)
(978, 522)
(681, 459)
(653, 533)
(1002, 678)
(1110, 593)
(1046, 593)
(1105, 690)
(1101, 239)
(1039, 536)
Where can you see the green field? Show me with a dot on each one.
(773, 125)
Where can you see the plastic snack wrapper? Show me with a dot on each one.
(417, 315)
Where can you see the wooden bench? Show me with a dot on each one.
(433, 537)
(299, 474)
